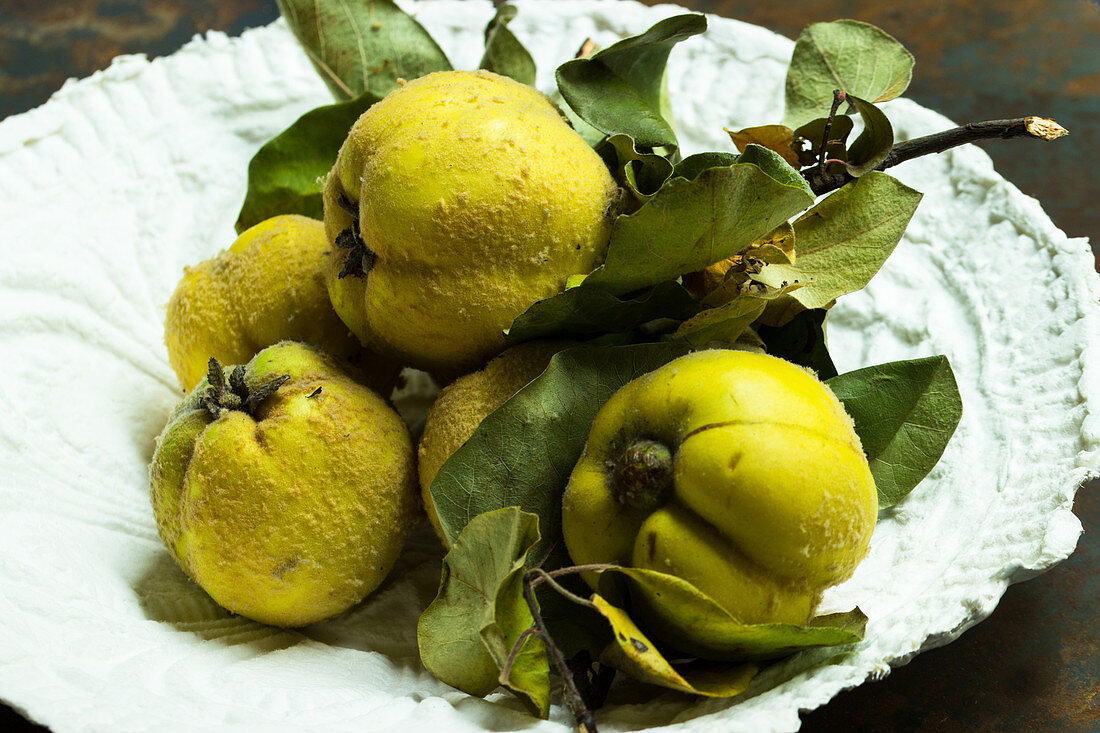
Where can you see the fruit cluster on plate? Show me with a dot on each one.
(642, 455)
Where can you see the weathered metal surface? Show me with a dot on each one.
(1035, 663)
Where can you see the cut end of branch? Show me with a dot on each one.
(587, 48)
(1044, 129)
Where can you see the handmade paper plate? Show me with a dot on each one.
(120, 180)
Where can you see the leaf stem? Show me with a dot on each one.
(822, 151)
(326, 71)
(592, 568)
(1038, 128)
(506, 671)
(582, 716)
(538, 575)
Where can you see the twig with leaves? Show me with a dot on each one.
(580, 706)
(1034, 127)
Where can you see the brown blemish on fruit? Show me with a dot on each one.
(280, 570)
(651, 546)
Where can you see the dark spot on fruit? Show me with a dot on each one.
(638, 645)
(286, 566)
(651, 546)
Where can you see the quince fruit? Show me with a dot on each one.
(738, 472)
(458, 201)
(269, 286)
(463, 404)
(287, 491)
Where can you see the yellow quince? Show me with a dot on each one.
(463, 404)
(286, 491)
(738, 472)
(458, 201)
(269, 286)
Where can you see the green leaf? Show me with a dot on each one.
(618, 88)
(691, 166)
(586, 311)
(689, 621)
(360, 47)
(504, 54)
(812, 132)
(856, 58)
(874, 143)
(287, 174)
(844, 240)
(723, 324)
(467, 633)
(522, 454)
(772, 164)
(905, 413)
(588, 133)
(639, 172)
(801, 340)
(690, 224)
(631, 652)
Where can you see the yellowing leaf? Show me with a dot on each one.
(713, 285)
(777, 138)
(692, 622)
(781, 238)
(636, 655)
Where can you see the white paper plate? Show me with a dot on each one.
(109, 189)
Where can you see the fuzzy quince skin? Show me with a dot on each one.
(458, 201)
(292, 506)
(465, 402)
(737, 472)
(269, 286)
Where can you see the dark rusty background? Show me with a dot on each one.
(1034, 665)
